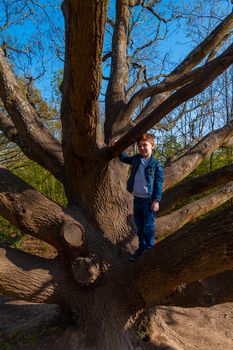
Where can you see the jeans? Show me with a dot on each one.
(144, 219)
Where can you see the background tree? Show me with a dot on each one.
(92, 235)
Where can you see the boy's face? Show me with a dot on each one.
(145, 149)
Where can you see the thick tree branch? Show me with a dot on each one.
(215, 50)
(192, 253)
(31, 278)
(183, 166)
(116, 90)
(202, 50)
(170, 223)
(39, 141)
(192, 60)
(9, 130)
(213, 290)
(84, 32)
(34, 214)
(195, 185)
(188, 91)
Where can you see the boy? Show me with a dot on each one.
(145, 182)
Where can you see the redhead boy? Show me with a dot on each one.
(145, 182)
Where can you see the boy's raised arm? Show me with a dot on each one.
(125, 158)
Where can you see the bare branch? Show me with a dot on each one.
(5, 47)
(170, 223)
(149, 7)
(192, 253)
(188, 91)
(195, 185)
(202, 50)
(213, 290)
(29, 128)
(9, 130)
(183, 166)
(111, 22)
(40, 5)
(193, 59)
(138, 81)
(169, 123)
(167, 85)
(133, 3)
(149, 43)
(217, 47)
(106, 56)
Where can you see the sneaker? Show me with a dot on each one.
(135, 255)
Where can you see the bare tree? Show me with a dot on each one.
(93, 235)
(189, 123)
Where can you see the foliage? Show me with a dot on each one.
(16, 338)
(217, 160)
(42, 180)
(45, 183)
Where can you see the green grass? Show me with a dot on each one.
(9, 341)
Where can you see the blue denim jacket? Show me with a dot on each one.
(153, 174)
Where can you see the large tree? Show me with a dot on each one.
(91, 275)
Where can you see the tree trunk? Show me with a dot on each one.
(99, 189)
(103, 319)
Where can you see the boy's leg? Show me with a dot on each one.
(138, 219)
(148, 224)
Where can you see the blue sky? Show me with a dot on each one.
(44, 34)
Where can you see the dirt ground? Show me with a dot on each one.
(195, 328)
(26, 326)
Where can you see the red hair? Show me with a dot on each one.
(146, 137)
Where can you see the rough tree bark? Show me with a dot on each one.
(94, 234)
(42, 146)
(116, 91)
(178, 218)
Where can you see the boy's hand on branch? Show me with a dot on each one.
(113, 142)
(155, 206)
